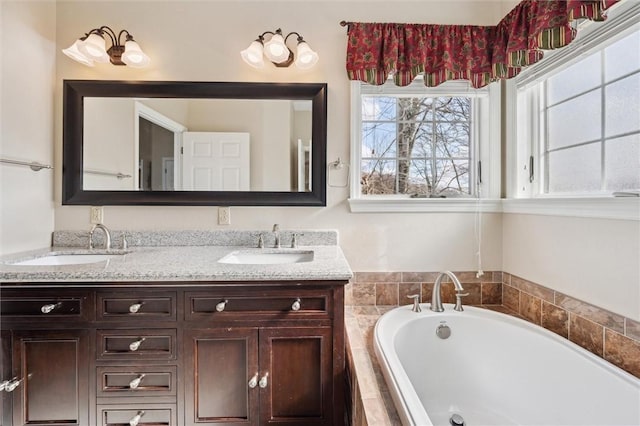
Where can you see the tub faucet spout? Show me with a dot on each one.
(436, 298)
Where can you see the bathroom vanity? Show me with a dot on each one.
(171, 336)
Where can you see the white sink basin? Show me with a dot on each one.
(260, 257)
(68, 259)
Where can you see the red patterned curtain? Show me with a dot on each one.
(480, 54)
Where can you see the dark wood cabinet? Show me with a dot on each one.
(269, 353)
(52, 367)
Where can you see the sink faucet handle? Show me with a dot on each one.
(459, 296)
(125, 243)
(294, 239)
(260, 241)
(416, 302)
(276, 227)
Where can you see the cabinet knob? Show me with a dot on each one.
(45, 309)
(136, 419)
(220, 306)
(136, 382)
(254, 381)
(264, 381)
(135, 307)
(133, 346)
(296, 305)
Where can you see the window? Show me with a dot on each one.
(416, 143)
(580, 115)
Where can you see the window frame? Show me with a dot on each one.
(485, 148)
(523, 94)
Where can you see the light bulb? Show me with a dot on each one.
(305, 57)
(276, 50)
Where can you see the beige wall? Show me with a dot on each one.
(202, 40)
(593, 260)
(596, 260)
(27, 53)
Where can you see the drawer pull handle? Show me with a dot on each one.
(264, 381)
(135, 307)
(296, 305)
(220, 306)
(254, 381)
(134, 346)
(45, 309)
(136, 382)
(136, 419)
(11, 385)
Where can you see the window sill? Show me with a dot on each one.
(621, 208)
(424, 205)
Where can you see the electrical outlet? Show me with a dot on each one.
(96, 214)
(224, 216)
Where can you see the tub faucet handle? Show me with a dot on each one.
(416, 302)
(459, 296)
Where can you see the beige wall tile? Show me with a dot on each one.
(419, 277)
(532, 288)
(511, 298)
(378, 277)
(555, 319)
(622, 351)
(531, 308)
(491, 293)
(586, 333)
(593, 313)
(364, 294)
(387, 294)
(632, 329)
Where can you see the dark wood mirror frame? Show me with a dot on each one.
(72, 149)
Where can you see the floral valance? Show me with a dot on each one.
(480, 54)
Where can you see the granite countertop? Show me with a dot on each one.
(177, 263)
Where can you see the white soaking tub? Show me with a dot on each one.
(495, 369)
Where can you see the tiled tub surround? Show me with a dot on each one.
(371, 294)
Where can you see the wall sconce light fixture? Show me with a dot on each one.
(93, 48)
(276, 50)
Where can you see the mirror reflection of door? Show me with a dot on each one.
(156, 149)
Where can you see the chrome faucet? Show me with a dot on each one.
(436, 299)
(107, 236)
(276, 234)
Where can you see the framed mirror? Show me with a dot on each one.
(194, 143)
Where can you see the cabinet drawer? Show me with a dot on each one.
(283, 304)
(136, 306)
(137, 414)
(124, 381)
(45, 306)
(136, 344)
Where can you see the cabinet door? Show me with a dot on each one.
(298, 362)
(54, 369)
(219, 366)
(5, 377)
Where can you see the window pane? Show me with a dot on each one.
(622, 57)
(453, 109)
(452, 140)
(578, 78)
(622, 105)
(420, 177)
(378, 140)
(575, 169)
(415, 109)
(378, 108)
(622, 163)
(378, 177)
(575, 121)
(452, 177)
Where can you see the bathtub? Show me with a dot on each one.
(495, 369)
